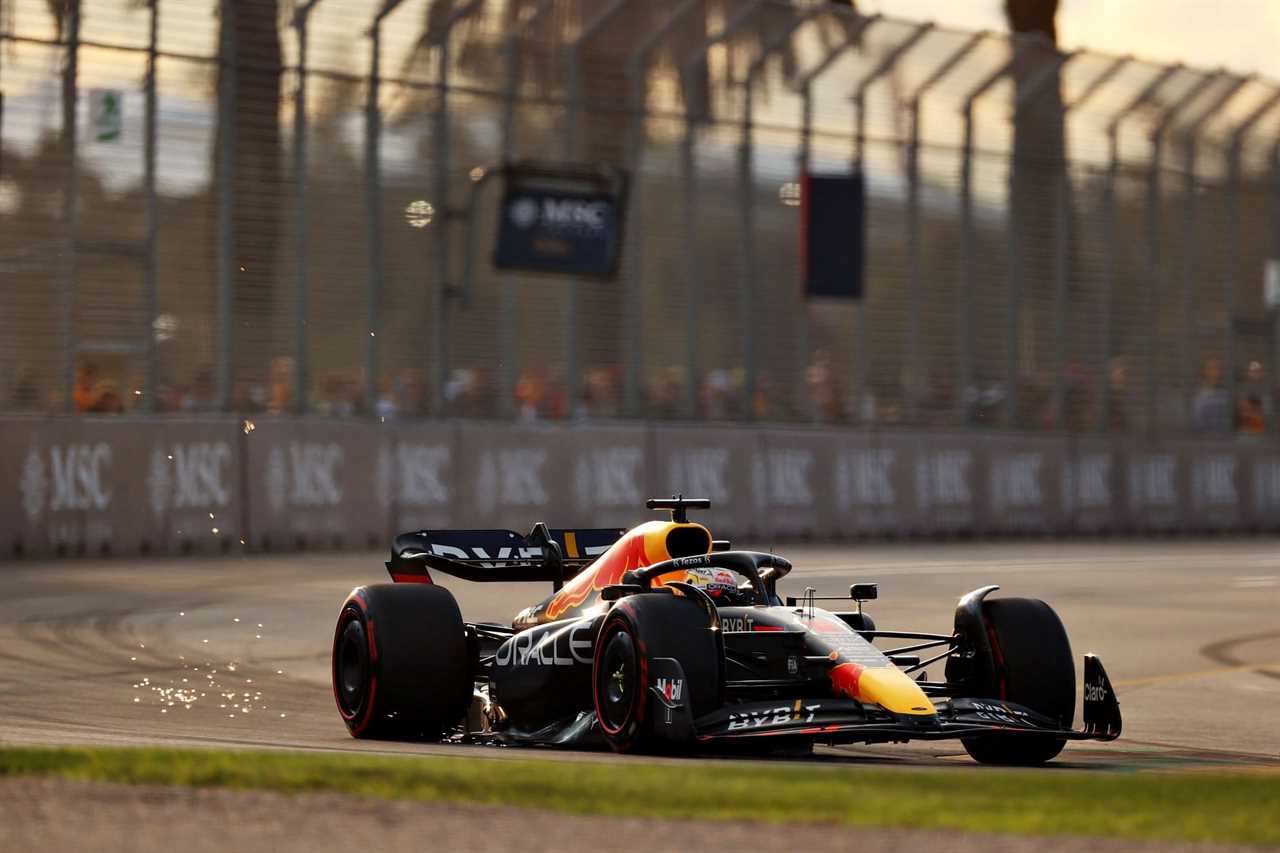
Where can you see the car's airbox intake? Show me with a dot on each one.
(688, 541)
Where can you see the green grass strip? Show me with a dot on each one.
(1242, 809)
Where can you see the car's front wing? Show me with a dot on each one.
(847, 721)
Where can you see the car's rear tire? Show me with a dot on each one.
(637, 630)
(402, 666)
(1032, 666)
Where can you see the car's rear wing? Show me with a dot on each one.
(498, 555)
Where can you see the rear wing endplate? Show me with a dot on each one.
(498, 555)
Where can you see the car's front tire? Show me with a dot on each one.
(637, 630)
(401, 663)
(1032, 666)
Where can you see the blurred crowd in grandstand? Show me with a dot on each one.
(540, 394)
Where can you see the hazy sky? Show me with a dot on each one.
(1240, 35)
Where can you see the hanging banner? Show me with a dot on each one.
(832, 235)
(561, 220)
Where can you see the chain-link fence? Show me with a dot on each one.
(264, 205)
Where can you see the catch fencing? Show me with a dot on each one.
(126, 486)
(263, 207)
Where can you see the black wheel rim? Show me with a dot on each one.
(353, 666)
(618, 683)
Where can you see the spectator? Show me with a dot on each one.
(83, 395)
(1249, 415)
(824, 391)
(25, 395)
(1211, 409)
(200, 396)
(281, 381)
(1117, 392)
(106, 399)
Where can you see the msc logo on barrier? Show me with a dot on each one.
(1213, 481)
(1151, 481)
(1015, 481)
(609, 477)
(863, 479)
(75, 478)
(702, 471)
(306, 476)
(414, 474)
(942, 478)
(1086, 482)
(511, 477)
(781, 478)
(194, 475)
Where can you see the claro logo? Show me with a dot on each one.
(75, 477)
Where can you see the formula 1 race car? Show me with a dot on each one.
(660, 638)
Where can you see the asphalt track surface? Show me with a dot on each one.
(234, 652)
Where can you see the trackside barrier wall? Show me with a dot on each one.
(211, 485)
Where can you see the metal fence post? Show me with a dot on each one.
(964, 292)
(573, 368)
(151, 382)
(1231, 284)
(1166, 119)
(859, 371)
(804, 85)
(636, 69)
(915, 281)
(688, 169)
(443, 290)
(301, 378)
(1190, 254)
(70, 204)
(226, 191)
(747, 206)
(1062, 240)
(1275, 256)
(1109, 225)
(373, 204)
(508, 310)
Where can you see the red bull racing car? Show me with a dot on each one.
(660, 638)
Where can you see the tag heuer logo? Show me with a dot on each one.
(523, 212)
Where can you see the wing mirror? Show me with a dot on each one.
(864, 591)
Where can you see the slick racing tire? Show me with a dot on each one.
(1033, 666)
(637, 630)
(402, 666)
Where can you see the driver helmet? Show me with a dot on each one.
(720, 584)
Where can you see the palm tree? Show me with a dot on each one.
(602, 123)
(252, 27)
